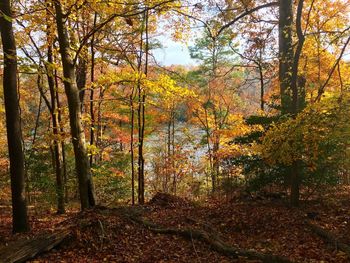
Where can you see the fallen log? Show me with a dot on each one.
(22, 250)
(330, 238)
(212, 240)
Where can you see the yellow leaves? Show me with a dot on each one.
(92, 149)
(312, 135)
(166, 92)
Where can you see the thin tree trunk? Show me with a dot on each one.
(173, 151)
(54, 112)
(59, 117)
(168, 158)
(132, 113)
(141, 117)
(99, 124)
(13, 121)
(262, 87)
(92, 112)
(86, 190)
(57, 144)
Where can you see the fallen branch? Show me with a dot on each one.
(22, 250)
(211, 239)
(330, 238)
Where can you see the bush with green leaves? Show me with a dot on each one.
(317, 138)
(111, 179)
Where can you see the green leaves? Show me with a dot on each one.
(320, 132)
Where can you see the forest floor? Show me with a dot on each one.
(263, 224)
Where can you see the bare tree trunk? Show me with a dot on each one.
(54, 112)
(285, 53)
(168, 154)
(262, 87)
(57, 144)
(173, 151)
(132, 113)
(86, 190)
(81, 73)
(13, 121)
(141, 116)
(92, 73)
(99, 123)
(59, 118)
(295, 107)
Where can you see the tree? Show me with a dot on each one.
(216, 84)
(13, 121)
(86, 189)
(285, 53)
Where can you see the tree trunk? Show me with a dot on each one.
(288, 73)
(54, 112)
(59, 117)
(173, 151)
(141, 118)
(57, 144)
(295, 184)
(92, 96)
(262, 86)
(13, 121)
(81, 73)
(295, 107)
(141, 115)
(285, 53)
(87, 197)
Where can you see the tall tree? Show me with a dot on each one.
(216, 69)
(290, 81)
(13, 121)
(86, 189)
(285, 53)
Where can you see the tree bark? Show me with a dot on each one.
(57, 144)
(59, 117)
(132, 120)
(141, 114)
(22, 250)
(13, 121)
(295, 107)
(54, 112)
(92, 95)
(81, 74)
(86, 190)
(285, 53)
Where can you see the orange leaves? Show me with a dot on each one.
(116, 172)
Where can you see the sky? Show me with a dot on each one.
(173, 53)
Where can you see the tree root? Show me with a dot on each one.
(211, 239)
(330, 238)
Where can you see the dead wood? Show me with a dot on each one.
(22, 250)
